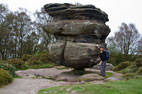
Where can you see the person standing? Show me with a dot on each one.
(104, 56)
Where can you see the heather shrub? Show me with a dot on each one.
(122, 65)
(17, 63)
(26, 57)
(10, 68)
(39, 58)
(5, 77)
(138, 62)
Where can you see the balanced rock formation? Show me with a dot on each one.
(79, 30)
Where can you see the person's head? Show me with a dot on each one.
(101, 48)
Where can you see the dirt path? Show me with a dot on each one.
(34, 80)
(29, 86)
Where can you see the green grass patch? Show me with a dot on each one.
(119, 87)
(109, 74)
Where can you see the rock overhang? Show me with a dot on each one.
(69, 12)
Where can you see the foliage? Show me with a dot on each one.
(129, 75)
(116, 57)
(122, 65)
(139, 71)
(130, 69)
(134, 70)
(125, 45)
(119, 87)
(47, 65)
(138, 62)
(139, 50)
(126, 39)
(10, 68)
(20, 35)
(18, 63)
(26, 57)
(39, 58)
(5, 78)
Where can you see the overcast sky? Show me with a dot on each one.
(128, 11)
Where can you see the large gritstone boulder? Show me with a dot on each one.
(79, 30)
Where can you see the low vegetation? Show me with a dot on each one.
(122, 65)
(5, 77)
(119, 87)
(17, 63)
(38, 60)
(130, 69)
(8, 67)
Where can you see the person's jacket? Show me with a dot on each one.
(103, 56)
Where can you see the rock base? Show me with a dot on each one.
(79, 76)
(109, 67)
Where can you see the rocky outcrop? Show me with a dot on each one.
(79, 30)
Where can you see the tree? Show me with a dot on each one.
(31, 44)
(126, 39)
(20, 35)
(139, 51)
(21, 26)
(4, 31)
(41, 22)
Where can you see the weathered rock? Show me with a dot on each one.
(109, 67)
(74, 55)
(69, 12)
(75, 78)
(79, 30)
(90, 77)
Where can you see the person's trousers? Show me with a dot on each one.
(103, 68)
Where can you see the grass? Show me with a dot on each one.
(119, 87)
(40, 66)
(109, 74)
